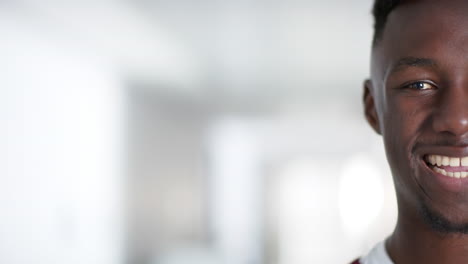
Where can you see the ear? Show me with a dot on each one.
(369, 107)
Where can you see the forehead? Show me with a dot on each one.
(429, 29)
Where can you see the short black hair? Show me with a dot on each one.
(381, 10)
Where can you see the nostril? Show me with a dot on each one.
(452, 123)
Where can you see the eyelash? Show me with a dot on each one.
(413, 84)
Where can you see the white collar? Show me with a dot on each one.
(377, 255)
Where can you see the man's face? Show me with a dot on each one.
(418, 100)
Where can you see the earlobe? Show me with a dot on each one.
(369, 107)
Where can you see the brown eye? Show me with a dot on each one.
(420, 86)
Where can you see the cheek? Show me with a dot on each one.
(397, 138)
(403, 126)
(400, 128)
(408, 119)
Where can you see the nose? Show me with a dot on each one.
(451, 117)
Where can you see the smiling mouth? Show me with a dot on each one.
(455, 167)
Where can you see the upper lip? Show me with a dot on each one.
(450, 151)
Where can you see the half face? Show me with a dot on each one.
(418, 100)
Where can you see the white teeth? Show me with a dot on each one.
(445, 161)
(458, 174)
(454, 162)
(441, 171)
(440, 164)
(464, 161)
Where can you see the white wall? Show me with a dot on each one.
(60, 132)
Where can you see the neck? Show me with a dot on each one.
(414, 241)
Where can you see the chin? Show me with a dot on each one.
(445, 224)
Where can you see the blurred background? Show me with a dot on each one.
(188, 132)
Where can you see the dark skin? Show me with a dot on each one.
(417, 99)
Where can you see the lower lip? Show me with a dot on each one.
(451, 184)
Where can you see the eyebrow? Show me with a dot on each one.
(406, 62)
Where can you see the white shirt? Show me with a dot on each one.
(377, 255)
